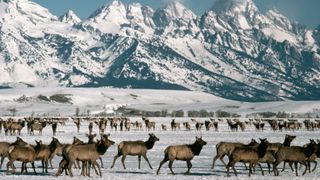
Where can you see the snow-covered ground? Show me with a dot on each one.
(201, 164)
(108, 99)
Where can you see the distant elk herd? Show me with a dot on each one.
(87, 155)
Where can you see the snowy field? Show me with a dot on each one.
(108, 99)
(201, 164)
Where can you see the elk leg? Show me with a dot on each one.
(170, 166)
(269, 168)
(99, 169)
(83, 171)
(261, 169)
(161, 163)
(296, 167)
(69, 168)
(114, 160)
(50, 159)
(307, 167)
(214, 161)
(122, 160)
(189, 165)
(139, 160)
(245, 165)
(34, 169)
(2, 159)
(275, 170)
(315, 166)
(221, 159)
(46, 165)
(250, 169)
(42, 163)
(101, 162)
(146, 158)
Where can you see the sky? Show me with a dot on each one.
(304, 11)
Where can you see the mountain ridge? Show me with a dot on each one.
(235, 52)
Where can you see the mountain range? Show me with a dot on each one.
(233, 50)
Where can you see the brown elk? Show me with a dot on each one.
(174, 125)
(77, 121)
(4, 151)
(37, 126)
(87, 152)
(226, 148)
(25, 154)
(90, 127)
(135, 148)
(163, 127)
(43, 155)
(187, 126)
(233, 126)
(102, 125)
(184, 152)
(250, 155)
(208, 125)
(16, 126)
(54, 127)
(199, 126)
(138, 125)
(295, 154)
(149, 124)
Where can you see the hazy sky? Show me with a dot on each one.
(304, 11)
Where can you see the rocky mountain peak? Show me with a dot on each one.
(70, 17)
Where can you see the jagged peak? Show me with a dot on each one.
(234, 6)
(114, 5)
(176, 10)
(70, 17)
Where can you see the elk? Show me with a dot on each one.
(26, 154)
(187, 126)
(184, 152)
(77, 121)
(55, 149)
(38, 126)
(232, 126)
(138, 125)
(4, 151)
(174, 125)
(54, 127)
(208, 125)
(226, 148)
(274, 147)
(295, 154)
(85, 153)
(16, 126)
(245, 154)
(102, 126)
(149, 124)
(43, 155)
(163, 127)
(90, 127)
(135, 148)
(199, 126)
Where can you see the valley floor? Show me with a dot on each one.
(201, 164)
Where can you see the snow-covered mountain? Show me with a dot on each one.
(232, 51)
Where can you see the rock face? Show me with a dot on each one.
(232, 51)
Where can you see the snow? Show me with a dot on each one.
(279, 35)
(97, 99)
(109, 99)
(3, 7)
(201, 164)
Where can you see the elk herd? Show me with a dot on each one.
(87, 155)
